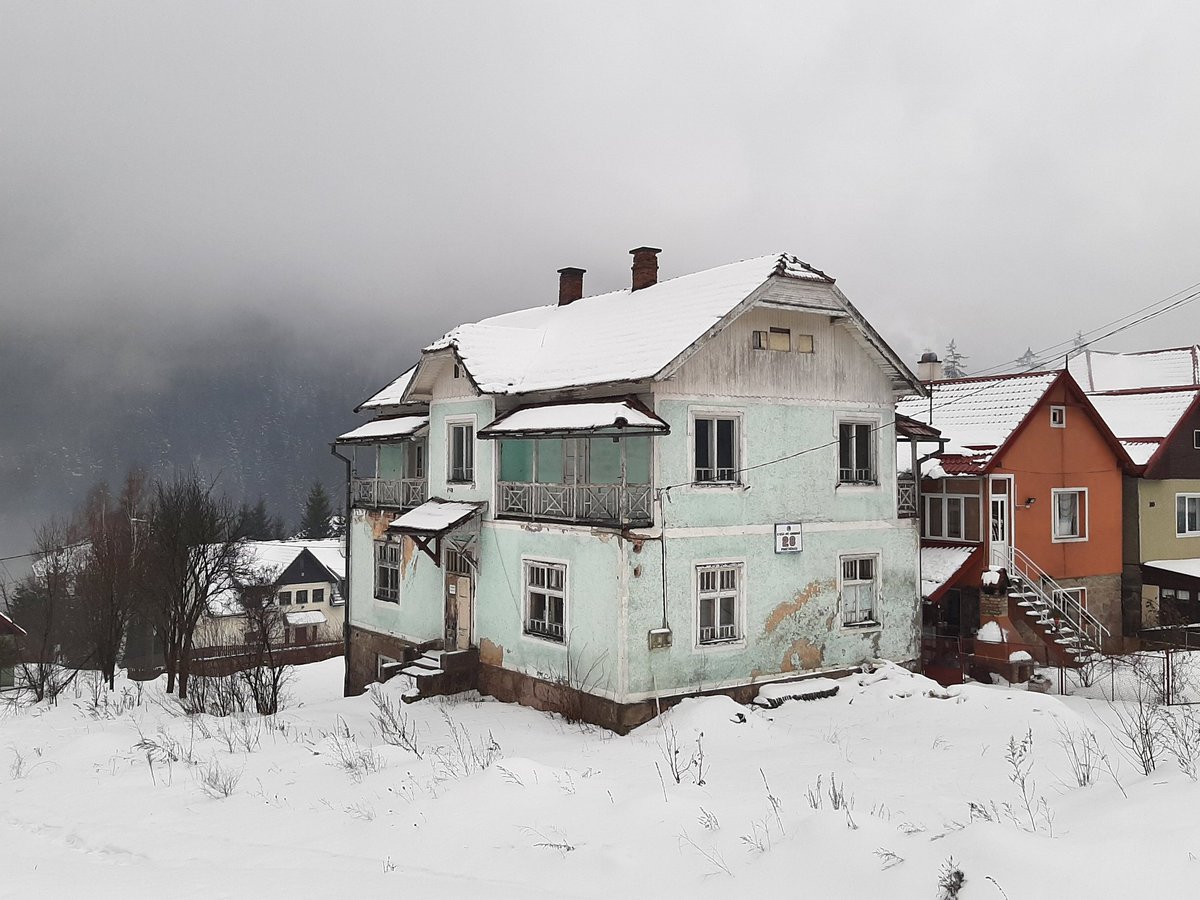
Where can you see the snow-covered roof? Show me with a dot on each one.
(1142, 420)
(8, 626)
(1096, 370)
(1189, 567)
(391, 395)
(625, 335)
(435, 516)
(939, 565)
(305, 617)
(977, 415)
(395, 427)
(604, 417)
(266, 561)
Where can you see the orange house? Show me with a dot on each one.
(1021, 517)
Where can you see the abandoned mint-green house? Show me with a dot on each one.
(683, 487)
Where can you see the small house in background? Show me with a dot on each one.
(1021, 525)
(307, 579)
(609, 502)
(9, 632)
(1151, 401)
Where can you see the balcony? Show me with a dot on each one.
(392, 493)
(594, 504)
(906, 498)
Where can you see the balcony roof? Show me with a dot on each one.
(386, 429)
(435, 517)
(600, 417)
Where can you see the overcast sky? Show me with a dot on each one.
(1002, 174)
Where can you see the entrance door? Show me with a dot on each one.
(1000, 533)
(459, 597)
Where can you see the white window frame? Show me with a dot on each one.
(544, 630)
(846, 587)
(1081, 515)
(1196, 439)
(1080, 594)
(873, 427)
(380, 662)
(387, 557)
(727, 633)
(452, 425)
(1058, 416)
(944, 500)
(715, 415)
(1186, 499)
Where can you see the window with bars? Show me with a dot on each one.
(387, 571)
(1187, 515)
(462, 454)
(718, 595)
(1069, 514)
(545, 600)
(860, 590)
(715, 450)
(856, 453)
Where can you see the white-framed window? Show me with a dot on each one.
(719, 602)
(387, 571)
(301, 596)
(952, 510)
(856, 453)
(1196, 439)
(460, 466)
(1058, 417)
(1187, 515)
(381, 662)
(1069, 514)
(318, 595)
(715, 449)
(546, 599)
(1071, 598)
(285, 598)
(414, 459)
(859, 590)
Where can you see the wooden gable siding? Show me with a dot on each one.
(1081, 455)
(838, 370)
(1178, 456)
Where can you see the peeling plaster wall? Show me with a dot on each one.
(791, 616)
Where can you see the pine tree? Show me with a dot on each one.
(1027, 361)
(952, 364)
(315, 524)
(259, 525)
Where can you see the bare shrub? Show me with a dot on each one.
(1140, 724)
(464, 756)
(1033, 813)
(240, 733)
(710, 855)
(215, 695)
(358, 762)
(1182, 738)
(950, 879)
(217, 781)
(393, 723)
(672, 752)
(888, 858)
(1083, 753)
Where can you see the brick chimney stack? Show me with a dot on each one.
(645, 267)
(570, 285)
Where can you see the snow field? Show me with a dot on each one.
(865, 793)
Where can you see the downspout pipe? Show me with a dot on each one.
(346, 691)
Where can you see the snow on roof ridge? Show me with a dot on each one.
(1005, 376)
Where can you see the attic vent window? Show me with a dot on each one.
(1196, 439)
(778, 339)
(1058, 417)
(457, 371)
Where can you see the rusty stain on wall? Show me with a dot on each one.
(791, 607)
(491, 654)
(803, 654)
(408, 552)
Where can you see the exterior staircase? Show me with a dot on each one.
(437, 672)
(1069, 631)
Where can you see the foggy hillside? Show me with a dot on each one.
(251, 403)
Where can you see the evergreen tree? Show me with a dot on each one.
(1027, 361)
(259, 524)
(952, 363)
(318, 510)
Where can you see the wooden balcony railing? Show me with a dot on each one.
(906, 498)
(601, 504)
(395, 493)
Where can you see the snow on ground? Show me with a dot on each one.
(508, 802)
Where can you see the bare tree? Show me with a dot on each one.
(193, 554)
(112, 579)
(267, 674)
(49, 653)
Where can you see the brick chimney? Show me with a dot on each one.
(645, 267)
(570, 285)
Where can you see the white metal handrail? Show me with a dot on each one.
(1060, 600)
